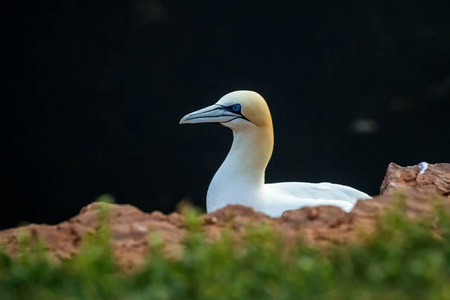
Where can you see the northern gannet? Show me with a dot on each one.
(240, 178)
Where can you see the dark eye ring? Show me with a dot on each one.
(236, 107)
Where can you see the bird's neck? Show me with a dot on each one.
(248, 158)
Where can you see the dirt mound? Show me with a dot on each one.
(320, 226)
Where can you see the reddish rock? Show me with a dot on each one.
(435, 177)
(131, 228)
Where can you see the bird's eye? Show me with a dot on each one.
(236, 107)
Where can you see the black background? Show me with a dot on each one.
(94, 90)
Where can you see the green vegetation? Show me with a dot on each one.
(404, 260)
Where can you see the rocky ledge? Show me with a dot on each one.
(320, 226)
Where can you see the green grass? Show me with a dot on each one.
(404, 260)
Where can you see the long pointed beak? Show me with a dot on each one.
(211, 114)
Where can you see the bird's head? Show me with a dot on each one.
(237, 110)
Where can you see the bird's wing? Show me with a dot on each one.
(319, 191)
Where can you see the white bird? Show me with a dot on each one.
(240, 178)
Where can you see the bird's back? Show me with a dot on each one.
(293, 195)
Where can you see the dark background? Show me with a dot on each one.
(94, 90)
